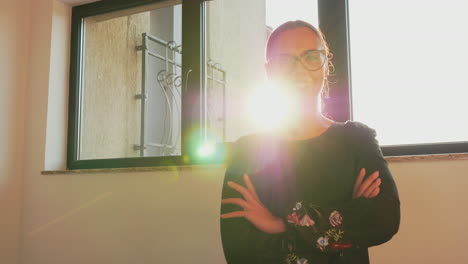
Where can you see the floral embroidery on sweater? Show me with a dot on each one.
(323, 229)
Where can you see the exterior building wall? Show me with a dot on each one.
(236, 39)
(111, 79)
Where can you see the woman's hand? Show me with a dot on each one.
(369, 188)
(254, 210)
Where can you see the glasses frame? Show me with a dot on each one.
(300, 59)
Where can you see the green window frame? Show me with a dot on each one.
(333, 21)
(192, 33)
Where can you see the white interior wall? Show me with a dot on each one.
(57, 113)
(153, 217)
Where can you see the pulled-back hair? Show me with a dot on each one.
(298, 24)
(293, 25)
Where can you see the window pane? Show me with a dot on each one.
(131, 83)
(408, 69)
(237, 31)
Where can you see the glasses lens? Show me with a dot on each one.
(313, 60)
(283, 63)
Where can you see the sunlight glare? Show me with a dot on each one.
(272, 107)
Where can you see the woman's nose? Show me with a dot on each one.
(300, 70)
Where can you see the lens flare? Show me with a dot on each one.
(273, 107)
(207, 149)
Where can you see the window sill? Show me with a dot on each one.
(133, 169)
(454, 156)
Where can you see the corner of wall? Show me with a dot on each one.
(57, 107)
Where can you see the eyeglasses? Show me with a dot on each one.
(312, 60)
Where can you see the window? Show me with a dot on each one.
(164, 82)
(126, 88)
(167, 82)
(369, 40)
(408, 78)
(131, 84)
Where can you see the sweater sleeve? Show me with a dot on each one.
(357, 222)
(242, 241)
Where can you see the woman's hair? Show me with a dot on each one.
(275, 35)
(293, 25)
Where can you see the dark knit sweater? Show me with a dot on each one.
(319, 174)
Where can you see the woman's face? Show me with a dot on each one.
(296, 42)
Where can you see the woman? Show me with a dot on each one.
(318, 192)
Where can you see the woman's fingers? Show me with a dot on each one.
(367, 182)
(238, 201)
(234, 214)
(254, 211)
(247, 195)
(370, 190)
(375, 192)
(359, 179)
(250, 187)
